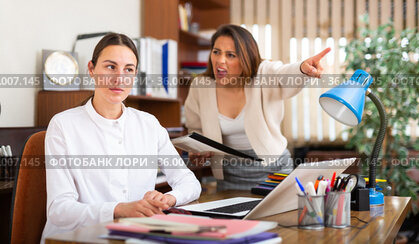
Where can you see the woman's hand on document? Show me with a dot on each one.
(154, 202)
(199, 159)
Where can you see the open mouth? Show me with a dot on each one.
(221, 73)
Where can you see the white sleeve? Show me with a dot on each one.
(63, 208)
(292, 80)
(185, 186)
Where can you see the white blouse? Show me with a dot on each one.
(82, 195)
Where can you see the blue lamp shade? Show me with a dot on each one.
(345, 102)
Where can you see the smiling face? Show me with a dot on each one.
(225, 61)
(114, 73)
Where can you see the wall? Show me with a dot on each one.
(27, 27)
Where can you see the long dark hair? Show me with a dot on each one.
(246, 48)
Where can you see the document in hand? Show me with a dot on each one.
(198, 143)
(190, 227)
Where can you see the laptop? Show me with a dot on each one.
(281, 199)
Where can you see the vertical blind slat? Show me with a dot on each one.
(248, 17)
(324, 19)
(275, 18)
(261, 13)
(235, 12)
(385, 11)
(286, 29)
(360, 11)
(410, 13)
(348, 20)
(373, 13)
(398, 15)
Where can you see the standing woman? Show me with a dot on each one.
(105, 128)
(223, 105)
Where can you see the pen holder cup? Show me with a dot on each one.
(338, 209)
(310, 212)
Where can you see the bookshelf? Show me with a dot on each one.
(163, 23)
(161, 20)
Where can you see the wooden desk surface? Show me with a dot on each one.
(380, 230)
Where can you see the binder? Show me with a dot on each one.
(121, 235)
(233, 230)
(198, 143)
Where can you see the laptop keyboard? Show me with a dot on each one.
(235, 208)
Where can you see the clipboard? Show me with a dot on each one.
(198, 143)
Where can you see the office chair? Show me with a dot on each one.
(28, 215)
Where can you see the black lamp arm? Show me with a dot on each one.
(380, 138)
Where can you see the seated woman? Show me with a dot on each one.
(236, 103)
(104, 128)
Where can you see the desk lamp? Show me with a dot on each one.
(345, 103)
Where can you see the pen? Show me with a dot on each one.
(319, 219)
(341, 184)
(299, 189)
(345, 183)
(300, 220)
(336, 183)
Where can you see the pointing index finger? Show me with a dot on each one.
(322, 54)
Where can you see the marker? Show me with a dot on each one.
(322, 188)
(310, 189)
(332, 183)
(319, 179)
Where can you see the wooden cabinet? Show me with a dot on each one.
(49, 103)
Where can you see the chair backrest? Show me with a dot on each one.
(28, 214)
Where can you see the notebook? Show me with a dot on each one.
(231, 228)
(281, 199)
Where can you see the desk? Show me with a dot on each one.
(380, 230)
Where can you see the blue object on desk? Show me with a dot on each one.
(345, 103)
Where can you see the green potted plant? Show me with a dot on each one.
(392, 59)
